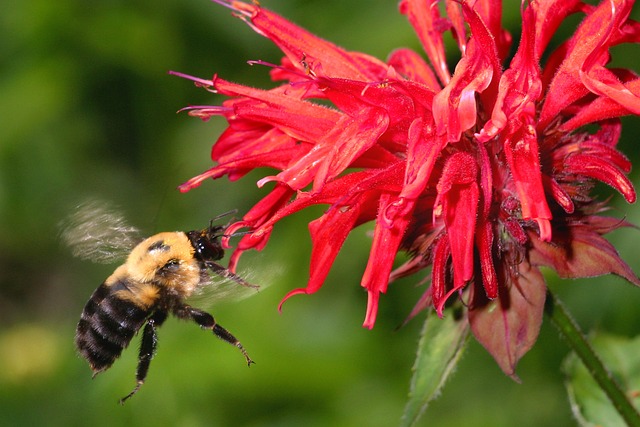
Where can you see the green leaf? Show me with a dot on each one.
(589, 404)
(441, 344)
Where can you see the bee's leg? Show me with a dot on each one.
(205, 320)
(228, 274)
(147, 350)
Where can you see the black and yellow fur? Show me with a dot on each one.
(158, 275)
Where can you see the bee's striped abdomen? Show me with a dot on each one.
(107, 325)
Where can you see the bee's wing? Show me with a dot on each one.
(96, 231)
(222, 285)
(225, 273)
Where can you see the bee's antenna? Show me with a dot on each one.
(222, 215)
(217, 217)
(237, 233)
(215, 231)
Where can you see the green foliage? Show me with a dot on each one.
(590, 405)
(441, 345)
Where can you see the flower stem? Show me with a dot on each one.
(579, 344)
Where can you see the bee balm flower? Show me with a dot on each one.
(483, 173)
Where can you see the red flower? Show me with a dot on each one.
(484, 174)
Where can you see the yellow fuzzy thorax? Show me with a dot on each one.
(146, 272)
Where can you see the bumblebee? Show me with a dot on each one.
(158, 275)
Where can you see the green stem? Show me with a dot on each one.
(578, 343)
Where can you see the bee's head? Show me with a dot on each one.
(207, 243)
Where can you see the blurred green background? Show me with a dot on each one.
(88, 111)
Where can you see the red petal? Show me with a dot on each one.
(602, 108)
(328, 233)
(280, 108)
(441, 254)
(519, 88)
(490, 11)
(454, 108)
(522, 154)
(425, 18)
(343, 192)
(587, 51)
(350, 139)
(411, 65)
(559, 195)
(354, 198)
(335, 150)
(386, 241)
(600, 80)
(602, 170)
(253, 219)
(307, 51)
(484, 243)
(248, 138)
(459, 193)
(423, 149)
(549, 15)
